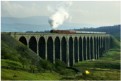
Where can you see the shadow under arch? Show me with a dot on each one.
(104, 42)
(91, 47)
(84, 48)
(57, 48)
(97, 41)
(76, 49)
(64, 49)
(80, 49)
(71, 51)
(33, 44)
(41, 46)
(23, 40)
(50, 49)
(95, 48)
(101, 45)
(88, 48)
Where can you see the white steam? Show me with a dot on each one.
(59, 16)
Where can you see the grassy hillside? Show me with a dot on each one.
(16, 51)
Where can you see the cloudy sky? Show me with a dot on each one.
(86, 12)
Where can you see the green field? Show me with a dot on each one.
(8, 74)
(20, 63)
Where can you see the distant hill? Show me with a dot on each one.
(10, 24)
(113, 30)
(35, 23)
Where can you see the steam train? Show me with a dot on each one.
(73, 32)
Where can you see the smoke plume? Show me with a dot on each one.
(59, 16)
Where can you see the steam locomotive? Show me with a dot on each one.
(63, 31)
(73, 32)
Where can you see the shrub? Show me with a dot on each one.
(46, 65)
(59, 65)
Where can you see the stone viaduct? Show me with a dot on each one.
(69, 48)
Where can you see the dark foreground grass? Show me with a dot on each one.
(7, 74)
(12, 70)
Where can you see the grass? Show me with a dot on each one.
(111, 59)
(10, 64)
(111, 55)
(101, 75)
(7, 74)
(12, 70)
(98, 64)
(107, 75)
(105, 68)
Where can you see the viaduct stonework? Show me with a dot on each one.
(69, 48)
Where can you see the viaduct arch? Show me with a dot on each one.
(57, 48)
(50, 49)
(33, 44)
(42, 47)
(23, 40)
(64, 48)
(69, 48)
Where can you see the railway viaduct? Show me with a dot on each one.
(69, 48)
